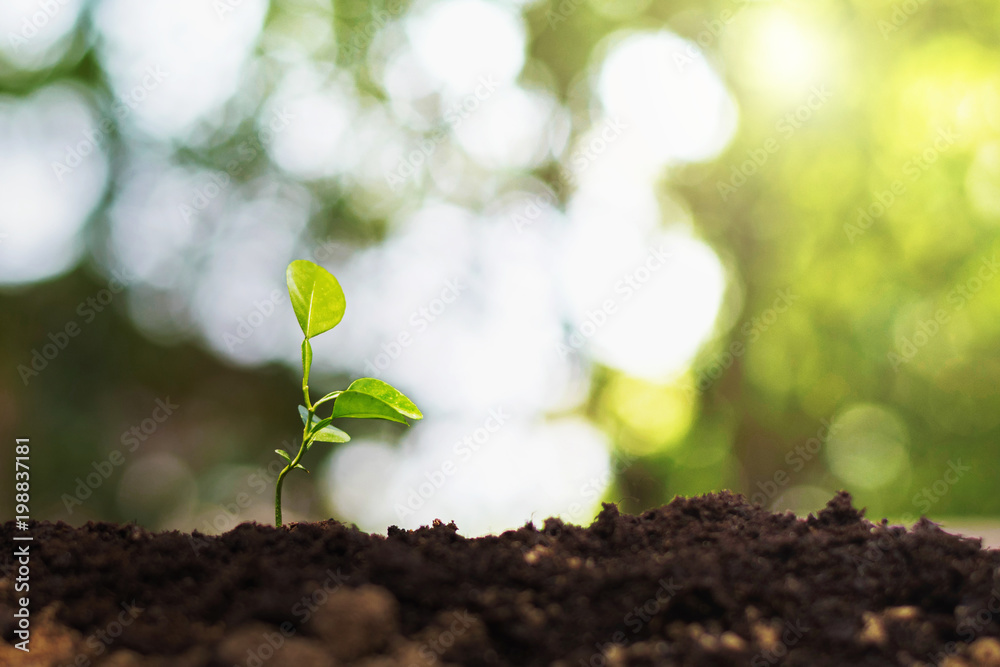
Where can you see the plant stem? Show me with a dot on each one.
(307, 356)
(287, 468)
(306, 365)
(277, 497)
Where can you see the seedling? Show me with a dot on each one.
(318, 302)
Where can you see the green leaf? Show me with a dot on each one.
(369, 398)
(362, 406)
(328, 434)
(283, 454)
(319, 424)
(321, 431)
(317, 298)
(387, 394)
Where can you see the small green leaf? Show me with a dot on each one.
(329, 397)
(373, 398)
(328, 434)
(317, 298)
(319, 423)
(321, 431)
(283, 454)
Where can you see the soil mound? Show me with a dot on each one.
(702, 581)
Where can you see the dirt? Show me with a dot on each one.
(710, 580)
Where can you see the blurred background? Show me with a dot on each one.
(615, 251)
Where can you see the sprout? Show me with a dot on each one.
(318, 302)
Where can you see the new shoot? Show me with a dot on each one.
(318, 302)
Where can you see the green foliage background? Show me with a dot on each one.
(863, 290)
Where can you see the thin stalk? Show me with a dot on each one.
(281, 475)
(307, 357)
(306, 365)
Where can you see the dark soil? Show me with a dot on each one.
(701, 581)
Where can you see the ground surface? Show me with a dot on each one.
(701, 581)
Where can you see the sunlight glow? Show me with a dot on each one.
(478, 319)
(642, 302)
(459, 42)
(37, 34)
(658, 415)
(511, 130)
(784, 53)
(159, 225)
(672, 106)
(53, 170)
(173, 62)
(487, 472)
(313, 115)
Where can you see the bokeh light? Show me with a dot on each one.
(672, 106)
(868, 446)
(681, 247)
(52, 174)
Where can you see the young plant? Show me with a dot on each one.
(318, 302)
